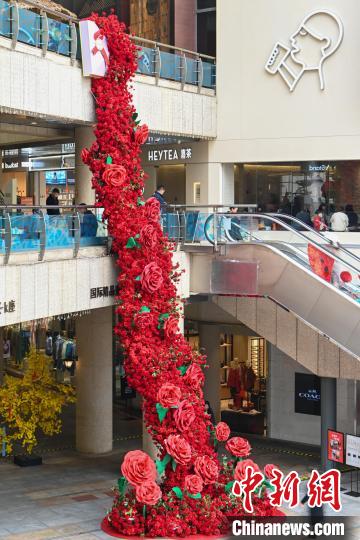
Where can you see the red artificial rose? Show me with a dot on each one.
(142, 134)
(239, 447)
(115, 175)
(144, 319)
(222, 432)
(169, 395)
(148, 493)
(148, 236)
(178, 448)
(184, 416)
(85, 156)
(171, 327)
(207, 469)
(240, 469)
(138, 467)
(268, 470)
(151, 278)
(193, 484)
(194, 377)
(152, 209)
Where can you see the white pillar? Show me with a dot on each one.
(217, 183)
(210, 340)
(94, 416)
(84, 137)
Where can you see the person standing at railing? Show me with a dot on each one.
(88, 222)
(339, 221)
(159, 195)
(53, 200)
(319, 219)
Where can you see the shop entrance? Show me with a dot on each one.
(173, 177)
(243, 369)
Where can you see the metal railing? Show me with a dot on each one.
(58, 32)
(37, 229)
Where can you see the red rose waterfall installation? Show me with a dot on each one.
(188, 490)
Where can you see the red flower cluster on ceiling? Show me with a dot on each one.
(159, 363)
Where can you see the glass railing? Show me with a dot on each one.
(59, 33)
(36, 230)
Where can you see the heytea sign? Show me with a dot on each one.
(170, 154)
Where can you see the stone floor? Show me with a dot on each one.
(68, 495)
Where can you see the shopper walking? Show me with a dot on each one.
(304, 216)
(53, 200)
(339, 221)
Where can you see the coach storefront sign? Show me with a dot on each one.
(158, 155)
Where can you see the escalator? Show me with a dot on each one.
(302, 270)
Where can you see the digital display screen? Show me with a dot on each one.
(335, 446)
(307, 394)
(55, 177)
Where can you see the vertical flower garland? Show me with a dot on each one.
(159, 363)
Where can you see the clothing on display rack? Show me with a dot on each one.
(64, 349)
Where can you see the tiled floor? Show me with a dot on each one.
(68, 495)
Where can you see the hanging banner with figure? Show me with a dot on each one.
(94, 49)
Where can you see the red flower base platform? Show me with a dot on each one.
(107, 528)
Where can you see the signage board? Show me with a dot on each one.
(94, 49)
(307, 394)
(352, 451)
(175, 153)
(335, 446)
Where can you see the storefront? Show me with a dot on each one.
(29, 174)
(243, 377)
(292, 187)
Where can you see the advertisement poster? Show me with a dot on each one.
(307, 394)
(353, 451)
(335, 446)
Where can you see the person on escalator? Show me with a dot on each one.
(304, 216)
(319, 219)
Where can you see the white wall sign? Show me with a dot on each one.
(94, 49)
(170, 154)
(352, 451)
(316, 39)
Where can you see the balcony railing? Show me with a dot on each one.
(35, 229)
(57, 32)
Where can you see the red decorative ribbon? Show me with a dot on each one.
(99, 35)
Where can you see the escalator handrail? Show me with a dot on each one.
(287, 227)
(318, 234)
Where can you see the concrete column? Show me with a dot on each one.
(328, 417)
(94, 416)
(84, 137)
(217, 183)
(210, 340)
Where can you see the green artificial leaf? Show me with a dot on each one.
(178, 492)
(161, 465)
(131, 243)
(122, 482)
(164, 316)
(109, 160)
(135, 116)
(144, 309)
(229, 486)
(144, 511)
(183, 369)
(174, 465)
(138, 278)
(140, 202)
(197, 496)
(162, 411)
